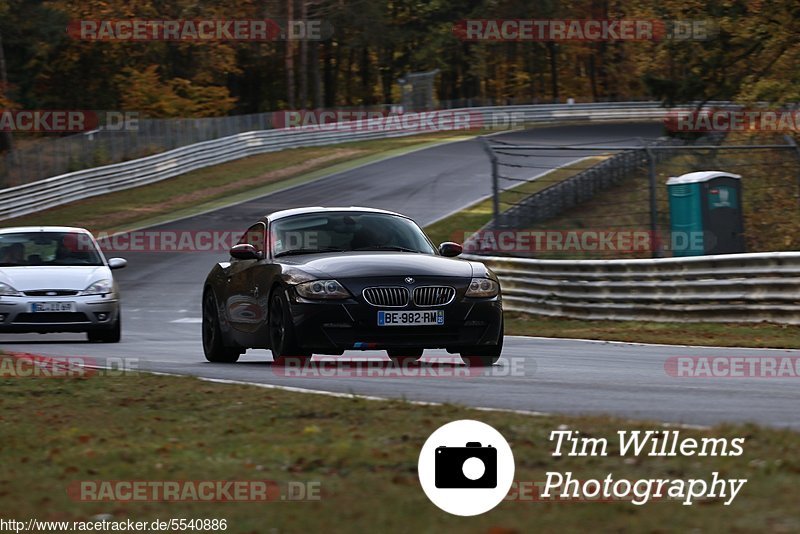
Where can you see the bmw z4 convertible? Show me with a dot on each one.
(326, 280)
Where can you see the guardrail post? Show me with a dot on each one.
(651, 166)
(495, 181)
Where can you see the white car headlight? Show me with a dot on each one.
(322, 289)
(100, 287)
(483, 287)
(8, 291)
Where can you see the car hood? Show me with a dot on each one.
(365, 264)
(72, 277)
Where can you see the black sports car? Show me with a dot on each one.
(326, 280)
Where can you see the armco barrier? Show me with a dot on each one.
(726, 288)
(43, 194)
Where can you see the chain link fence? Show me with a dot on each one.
(613, 201)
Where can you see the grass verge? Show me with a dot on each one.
(750, 335)
(362, 453)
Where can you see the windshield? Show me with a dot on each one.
(346, 231)
(24, 249)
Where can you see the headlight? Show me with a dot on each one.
(99, 288)
(8, 291)
(483, 287)
(322, 289)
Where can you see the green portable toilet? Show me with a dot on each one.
(705, 211)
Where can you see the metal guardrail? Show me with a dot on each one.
(65, 188)
(728, 288)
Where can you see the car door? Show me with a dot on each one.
(243, 306)
(261, 276)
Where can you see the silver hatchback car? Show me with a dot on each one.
(56, 279)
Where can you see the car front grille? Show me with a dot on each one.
(51, 317)
(390, 297)
(51, 293)
(434, 295)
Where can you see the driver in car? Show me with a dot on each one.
(14, 254)
(374, 236)
(70, 249)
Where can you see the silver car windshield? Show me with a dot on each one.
(30, 249)
(346, 231)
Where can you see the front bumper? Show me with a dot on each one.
(335, 326)
(91, 312)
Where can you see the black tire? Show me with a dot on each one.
(404, 356)
(484, 356)
(213, 342)
(112, 335)
(282, 338)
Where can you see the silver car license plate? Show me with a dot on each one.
(52, 307)
(411, 318)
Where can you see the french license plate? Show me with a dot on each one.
(52, 307)
(411, 318)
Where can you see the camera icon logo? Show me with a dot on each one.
(466, 467)
(472, 466)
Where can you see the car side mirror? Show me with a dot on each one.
(117, 263)
(449, 249)
(245, 251)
